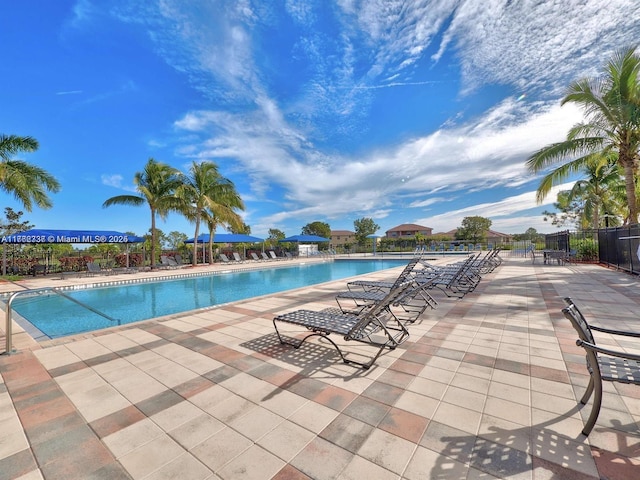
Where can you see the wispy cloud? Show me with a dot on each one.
(115, 180)
(70, 92)
(533, 47)
(500, 213)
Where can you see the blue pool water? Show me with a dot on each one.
(56, 316)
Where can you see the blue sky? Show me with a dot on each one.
(318, 110)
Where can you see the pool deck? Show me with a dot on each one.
(485, 387)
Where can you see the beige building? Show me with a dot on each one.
(408, 230)
(341, 237)
(493, 237)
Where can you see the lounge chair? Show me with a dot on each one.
(454, 280)
(255, 257)
(375, 326)
(265, 256)
(413, 302)
(603, 364)
(168, 262)
(224, 258)
(237, 258)
(373, 285)
(95, 269)
(273, 255)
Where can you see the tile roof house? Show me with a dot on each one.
(408, 230)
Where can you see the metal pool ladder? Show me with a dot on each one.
(9, 327)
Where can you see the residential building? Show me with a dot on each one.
(408, 230)
(339, 238)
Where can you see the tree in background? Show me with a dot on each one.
(243, 229)
(473, 229)
(530, 234)
(320, 229)
(27, 183)
(104, 250)
(274, 237)
(363, 228)
(154, 241)
(176, 240)
(13, 223)
(568, 212)
(597, 191)
(156, 185)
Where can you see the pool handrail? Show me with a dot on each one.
(9, 327)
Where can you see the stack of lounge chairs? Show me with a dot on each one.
(377, 312)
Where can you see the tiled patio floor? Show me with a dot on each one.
(486, 387)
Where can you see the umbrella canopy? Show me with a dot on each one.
(70, 236)
(226, 238)
(305, 238)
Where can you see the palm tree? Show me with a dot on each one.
(612, 125)
(157, 185)
(28, 184)
(598, 190)
(206, 194)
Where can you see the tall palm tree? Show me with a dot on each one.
(206, 193)
(28, 184)
(156, 184)
(612, 124)
(598, 190)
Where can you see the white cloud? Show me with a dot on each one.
(491, 154)
(115, 180)
(507, 215)
(531, 46)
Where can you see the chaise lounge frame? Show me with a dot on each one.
(415, 300)
(375, 326)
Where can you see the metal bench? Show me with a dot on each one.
(603, 364)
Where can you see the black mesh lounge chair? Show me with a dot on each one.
(413, 302)
(375, 326)
(372, 285)
(455, 280)
(604, 364)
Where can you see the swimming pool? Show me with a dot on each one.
(55, 316)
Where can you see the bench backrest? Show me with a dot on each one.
(579, 323)
(404, 275)
(370, 319)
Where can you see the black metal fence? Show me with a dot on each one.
(581, 246)
(616, 247)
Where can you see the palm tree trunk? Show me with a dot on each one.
(153, 238)
(630, 187)
(194, 261)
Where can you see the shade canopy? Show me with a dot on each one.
(70, 236)
(305, 238)
(226, 238)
